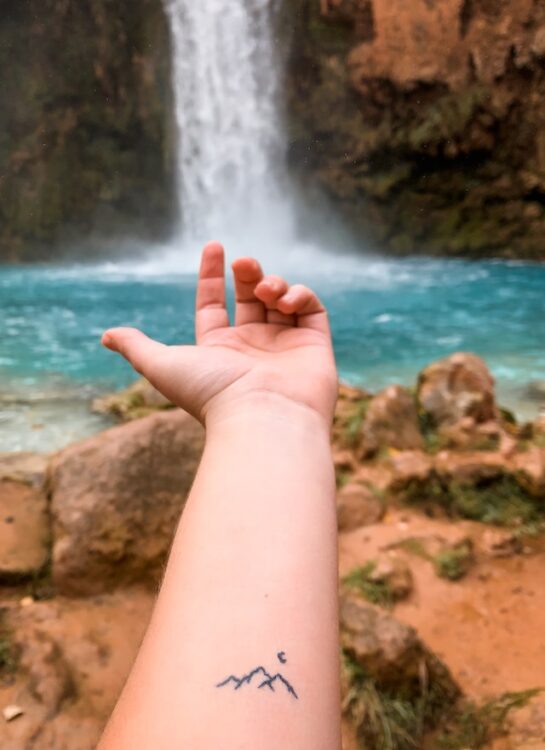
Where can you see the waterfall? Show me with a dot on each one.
(230, 141)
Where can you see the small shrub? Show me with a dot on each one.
(376, 592)
(453, 562)
(392, 719)
(473, 726)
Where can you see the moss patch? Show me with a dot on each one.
(454, 562)
(498, 500)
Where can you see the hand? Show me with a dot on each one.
(278, 351)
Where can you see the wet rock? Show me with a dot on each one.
(138, 400)
(358, 505)
(381, 88)
(455, 388)
(391, 421)
(387, 650)
(95, 65)
(24, 529)
(116, 500)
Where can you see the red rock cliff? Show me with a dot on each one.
(424, 120)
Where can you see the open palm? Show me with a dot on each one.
(279, 347)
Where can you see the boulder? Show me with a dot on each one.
(358, 505)
(391, 421)
(387, 650)
(456, 387)
(116, 499)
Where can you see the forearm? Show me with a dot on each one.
(251, 582)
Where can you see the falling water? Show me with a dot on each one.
(230, 140)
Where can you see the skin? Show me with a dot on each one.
(252, 576)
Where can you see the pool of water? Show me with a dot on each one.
(389, 318)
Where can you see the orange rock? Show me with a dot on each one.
(116, 500)
(388, 651)
(24, 529)
(455, 388)
(410, 466)
(391, 421)
(419, 42)
(357, 506)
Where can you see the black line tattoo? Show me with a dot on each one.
(265, 679)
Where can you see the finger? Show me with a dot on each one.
(269, 291)
(302, 302)
(142, 352)
(211, 312)
(248, 309)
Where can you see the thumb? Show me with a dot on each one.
(137, 348)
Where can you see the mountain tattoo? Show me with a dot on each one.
(260, 678)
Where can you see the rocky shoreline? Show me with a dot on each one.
(441, 515)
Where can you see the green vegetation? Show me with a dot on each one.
(475, 726)
(453, 562)
(400, 719)
(375, 591)
(499, 500)
(392, 719)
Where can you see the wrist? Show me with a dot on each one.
(268, 409)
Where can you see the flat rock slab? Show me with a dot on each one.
(25, 467)
(24, 529)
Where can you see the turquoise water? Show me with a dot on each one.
(389, 318)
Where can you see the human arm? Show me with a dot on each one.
(252, 577)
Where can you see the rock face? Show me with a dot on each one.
(84, 147)
(24, 521)
(424, 121)
(387, 650)
(116, 499)
(24, 530)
